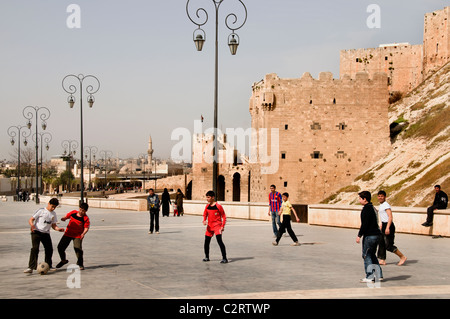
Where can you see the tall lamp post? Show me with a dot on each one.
(231, 22)
(47, 138)
(143, 157)
(90, 150)
(30, 112)
(68, 145)
(14, 131)
(105, 155)
(71, 88)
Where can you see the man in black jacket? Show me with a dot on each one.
(371, 233)
(440, 202)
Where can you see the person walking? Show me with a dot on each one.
(165, 202)
(40, 224)
(285, 212)
(77, 228)
(370, 232)
(215, 219)
(440, 202)
(179, 200)
(153, 206)
(274, 209)
(387, 231)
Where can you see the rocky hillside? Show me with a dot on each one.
(419, 156)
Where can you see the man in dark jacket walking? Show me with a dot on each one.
(440, 202)
(371, 233)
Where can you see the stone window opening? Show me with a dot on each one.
(342, 126)
(283, 155)
(285, 127)
(316, 155)
(316, 126)
(285, 184)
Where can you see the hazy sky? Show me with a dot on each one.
(152, 78)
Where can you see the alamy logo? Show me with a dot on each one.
(374, 19)
(73, 21)
(74, 279)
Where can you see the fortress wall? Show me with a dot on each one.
(329, 131)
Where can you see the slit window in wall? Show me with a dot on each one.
(316, 155)
(334, 101)
(342, 126)
(285, 127)
(316, 126)
(285, 184)
(283, 155)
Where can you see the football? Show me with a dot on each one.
(43, 268)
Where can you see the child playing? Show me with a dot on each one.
(285, 210)
(216, 217)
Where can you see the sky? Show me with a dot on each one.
(152, 79)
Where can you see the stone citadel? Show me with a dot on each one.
(329, 130)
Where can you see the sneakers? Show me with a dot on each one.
(371, 280)
(275, 243)
(62, 263)
(295, 244)
(427, 224)
(223, 261)
(28, 271)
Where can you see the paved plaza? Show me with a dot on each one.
(123, 261)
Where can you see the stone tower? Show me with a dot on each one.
(329, 131)
(150, 150)
(436, 40)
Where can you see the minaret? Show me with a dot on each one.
(150, 150)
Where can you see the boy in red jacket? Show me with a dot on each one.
(76, 230)
(214, 217)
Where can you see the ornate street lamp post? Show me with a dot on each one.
(14, 131)
(106, 155)
(35, 111)
(68, 145)
(91, 151)
(92, 88)
(231, 22)
(47, 138)
(143, 158)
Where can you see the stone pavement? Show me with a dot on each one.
(123, 261)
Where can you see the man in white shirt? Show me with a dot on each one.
(40, 224)
(387, 231)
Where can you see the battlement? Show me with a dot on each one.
(274, 91)
(327, 77)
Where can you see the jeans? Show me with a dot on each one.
(386, 241)
(286, 225)
(36, 238)
(77, 246)
(275, 221)
(369, 248)
(154, 220)
(430, 213)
